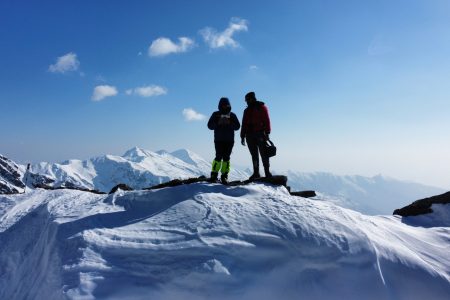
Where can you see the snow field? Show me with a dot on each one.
(209, 241)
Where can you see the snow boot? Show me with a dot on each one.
(224, 178)
(267, 172)
(214, 176)
(255, 176)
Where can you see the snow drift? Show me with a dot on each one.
(209, 241)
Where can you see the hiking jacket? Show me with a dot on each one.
(256, 119)
(224, 126)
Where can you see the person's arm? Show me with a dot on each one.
(212, 123)
(244, 124)
(244, 127)
(266, 120)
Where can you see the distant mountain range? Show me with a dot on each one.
(137, 168)
(140, 168)
(369, 195)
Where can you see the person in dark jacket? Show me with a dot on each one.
(224, 123)
(255, 130)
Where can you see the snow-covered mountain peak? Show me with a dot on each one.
(187, 156)
(137, 154)
(162, 152)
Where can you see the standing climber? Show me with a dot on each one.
(224, 123)
(256, 129)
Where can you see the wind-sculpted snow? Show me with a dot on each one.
(209, 241)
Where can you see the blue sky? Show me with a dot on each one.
(353, 87)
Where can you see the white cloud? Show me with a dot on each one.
(191, 115)
(65, 63)
(103, 91)
(164, 46)
(253, 67)
(222, 39)
(147, 91)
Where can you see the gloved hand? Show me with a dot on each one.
(243, 141)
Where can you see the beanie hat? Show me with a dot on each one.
(251, 96)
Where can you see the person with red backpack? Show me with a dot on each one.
(255, 130)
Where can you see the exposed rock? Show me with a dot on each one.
(47, 187)
(276, 180)
(6, 189)
(423, 206)
(38, 179)
(177, 182)
(304, 194)
(121, 186)
(10, 177)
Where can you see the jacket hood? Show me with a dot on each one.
(224, 105)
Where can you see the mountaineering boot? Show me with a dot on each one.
(267, 172)
(255, 175)
(224, 178)
(214, 176)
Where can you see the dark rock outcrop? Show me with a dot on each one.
(304, 194)
(423, 206)
(10, 177)
(121, 186)
(48, 187)
(38, 179)
(177, 182)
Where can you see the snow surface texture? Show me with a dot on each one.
(369, 195)
(209, 241)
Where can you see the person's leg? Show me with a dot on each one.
(252, 144)
(217, 162)
(264, 156)
(225, 170)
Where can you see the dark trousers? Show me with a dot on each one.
(223, 150)
(256, 146)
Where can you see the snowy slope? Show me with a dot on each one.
(137, 168)
(208, 241)
(369, 195)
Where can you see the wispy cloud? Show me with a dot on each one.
(103, 91)
(164, 46)
(191, 115)
(65, 63)
(216, 39)
(253, 67)
(147, 91)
